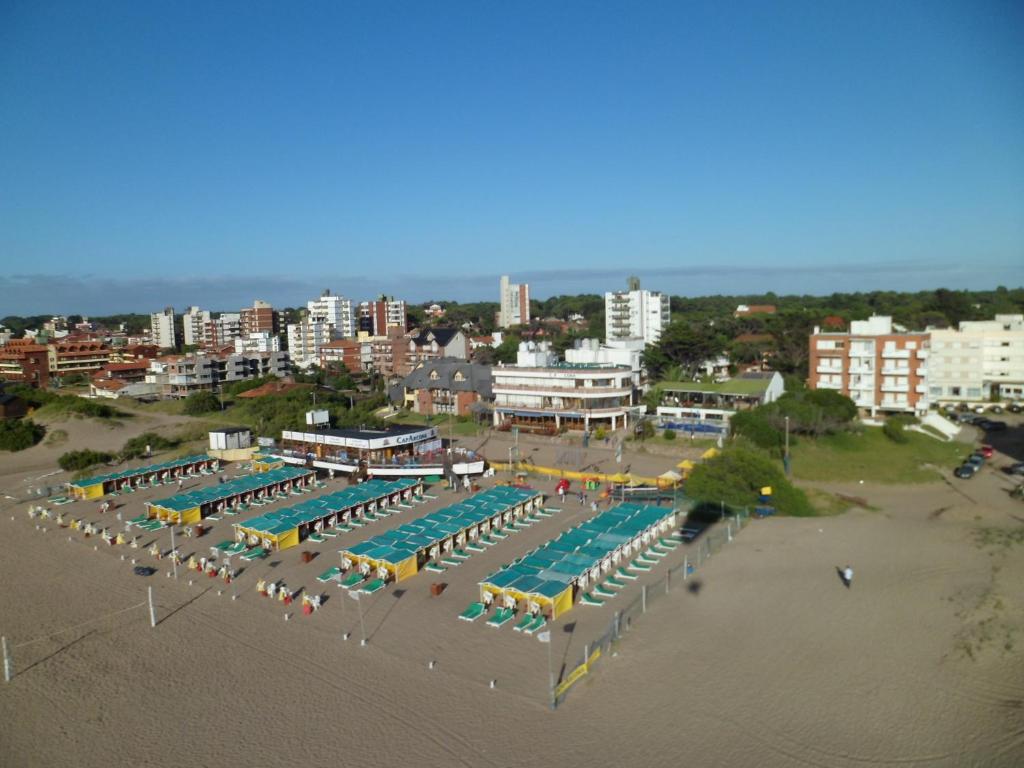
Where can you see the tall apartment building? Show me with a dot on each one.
(192, 373)
(635, 313)
(258, 341)
(305, 341)
(259, 318)
(193, 326)
(515, 303)
(880, 370)
(162, 329)
(334, 311)
(378, 316)
(222, 331)
(980, 360)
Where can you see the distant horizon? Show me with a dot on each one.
(98, 297)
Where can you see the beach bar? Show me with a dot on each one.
(358, 503)
(131, 479)
(191, 507)
(400, 553)
(547, 580)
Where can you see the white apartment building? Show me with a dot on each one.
(334, 311)
(222, 331)
(305, 340)
(515, 303)
(980, 360)
(377, 317)
(635, 313)
(162, 329)
(621, 352)
(193, 326)
(541, 394)
(260, 341)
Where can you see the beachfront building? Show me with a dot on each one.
(978, 361)
(444, 387)
(437, 539)
(514, 299)
(306, 339)
(193, 326)
(261, 317)
(635, 313)
(193, 373)
(379, 316)
(235, 495)
(162, 331)
(544, 395)
(546, 581)
(221, 331)
(620, 352)
(328, 515)
(70, 358)
(129, 480)
(879, 368)
(707, 406)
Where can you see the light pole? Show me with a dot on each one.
(786, 460)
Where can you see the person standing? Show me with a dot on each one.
(847, 576)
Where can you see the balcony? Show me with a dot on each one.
(922, 372)
(889, 370)
(895, 387)
(896, 354)
(828, 385)
(922, 354)
(556, 391)
(829, 369)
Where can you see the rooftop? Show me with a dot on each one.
(744, 387)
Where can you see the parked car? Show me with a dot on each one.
(966, 471)
(978, 408)
(143, 570)
(976, 459)
(996, 408)
(1015, 469)
(987, 451)
(992, 426)
(1016, 407)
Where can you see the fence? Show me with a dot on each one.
(624, 621)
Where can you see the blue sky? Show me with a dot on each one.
(212, 153)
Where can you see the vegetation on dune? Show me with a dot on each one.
(56, 406)
(19, 434)
(74, 461)
(736, 476)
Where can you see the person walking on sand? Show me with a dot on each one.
(847, 576)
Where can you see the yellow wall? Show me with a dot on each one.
(93, 491)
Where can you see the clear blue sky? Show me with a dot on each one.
(176, 153)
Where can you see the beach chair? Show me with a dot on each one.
(459, 554)
(331, 574)
(255, 554)
(602, 591)
(316, 538)
(501, 617)
(487, 541)
(138, 520)
(356, 522)
(614, 583)
(645, 559)
(451, 562)
(622, 573)
(668, 543)
(524, 622)
(499, 534)
(474, 547)
(328, 534)
(352, 580)
(636, 565)
(235, 549)
(373, 586)
(214, 518)
(473, 612)
(589, 599)
(435, 568)
(342, 528)
(534, 625)
(222, 547)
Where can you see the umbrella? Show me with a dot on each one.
(710, 453)
(685, 464)
(671, 476)
(618, 477)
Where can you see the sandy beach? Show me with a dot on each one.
(770, 662)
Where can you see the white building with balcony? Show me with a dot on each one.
(193, 326)
(337, 312)
(305, 341)
(980, 360)
(162, 329)
(259, 341)
(635, 313)
(543, 395)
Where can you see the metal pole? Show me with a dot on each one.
(787, 445)
(686, 567)
(551, 676)
(643, 599)
(8, 667)
(362, 627)
(174, 560)
(152, 609)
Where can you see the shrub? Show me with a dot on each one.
(136, 446)
(894, 426)
(600, 434)
(669, 434)
(201, 402)
(736, 477)
(74, 461)
(19, 434)
(754, 426)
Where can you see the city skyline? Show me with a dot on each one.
(802, 148)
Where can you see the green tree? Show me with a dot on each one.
(201, 402)
(736, 476)
(19, 434)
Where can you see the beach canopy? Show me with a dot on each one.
(147, 470)
(670, 476)
(246, 484)
(685, 464)
(710, 453)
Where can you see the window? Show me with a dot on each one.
(459, 377)
(434, 376)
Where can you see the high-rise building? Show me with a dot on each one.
(222, 331)
(334, 311)
(305, 340)
(377, 317)
(635, 313)
(162, 328)
(981, 360)
(193, 326)
(260, 317)
(515, 303)
(878, 368)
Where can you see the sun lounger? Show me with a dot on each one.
(614, 583)
(487, 541)
(473, 612)
(622, 573)
(255, 554)
(589, 599)
(668, 543)
(222, 546)
(328, 534)
(499, 534)
(646, 560)
(602, 591)
(501, 617)
(374, 586)
(428, 496)
(473, 547)
(459, 554)
(524, 622)
(534, 625)
(138, 520)
(451, 562)
(403, 505)
(343, 529)
(435, 568)
(356, 522)
(235, 549)
(316, 538)
(352, 580)
(636, 565)
(213, 517)
(330, 574)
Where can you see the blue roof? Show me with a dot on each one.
(147, 470)
(214, 493)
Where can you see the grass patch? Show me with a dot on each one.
(56, 437)
(455, 427)
(933, 432)
(870, 456)
(827, 503)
